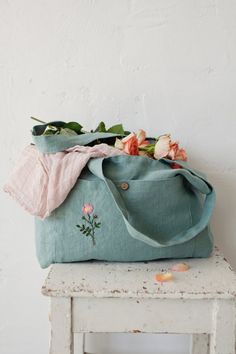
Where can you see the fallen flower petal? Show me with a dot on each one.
(180, 267)
(164, 277)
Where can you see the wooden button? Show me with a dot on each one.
(124, 186)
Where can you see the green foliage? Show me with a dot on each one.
(101, 128)
(76, 127)
(117, 129)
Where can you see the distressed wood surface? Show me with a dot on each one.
(222, 339)
(210, 278)
(124, 315)
(79, 343)
(61, 326)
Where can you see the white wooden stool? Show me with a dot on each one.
(107, 297)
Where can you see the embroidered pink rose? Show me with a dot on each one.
(87, 208)
(90, 222)
(132, 142)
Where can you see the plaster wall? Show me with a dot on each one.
(163, 65)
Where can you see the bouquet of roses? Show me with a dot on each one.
(129, 142)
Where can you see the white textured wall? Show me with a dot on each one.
(163, 65)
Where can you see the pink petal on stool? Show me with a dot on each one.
(163, 277)
(180, 267)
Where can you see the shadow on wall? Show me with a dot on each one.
(224, 217)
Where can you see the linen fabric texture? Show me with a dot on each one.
(41, 182)
(134, 209)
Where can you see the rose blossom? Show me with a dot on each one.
(162, 147)
(170, 149)
(131, 143)
(181, 155)
(141, 136)
(87, 208)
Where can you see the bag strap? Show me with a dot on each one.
(195, 180)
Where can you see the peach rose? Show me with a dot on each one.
(170, 149)
(131, 143)
(141, 136)
(162, 147)
(181, 155)
(174, 147)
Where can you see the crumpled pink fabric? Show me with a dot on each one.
(41, 182)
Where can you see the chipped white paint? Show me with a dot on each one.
(163, 65)
(141, 316)
(124, 298)
(61, 326)
(223, 328)
(210, 278)
(79, 346)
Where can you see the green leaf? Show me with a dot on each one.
(76, 127)
(127, 132)
(117, 129)
(67, 132)
(101, 128)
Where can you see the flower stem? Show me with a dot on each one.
(38, 120)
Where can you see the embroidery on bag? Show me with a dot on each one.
(90, 222)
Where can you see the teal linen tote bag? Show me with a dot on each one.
(127, 208)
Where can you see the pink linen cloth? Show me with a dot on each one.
(41, 182)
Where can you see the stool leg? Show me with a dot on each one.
(80, 339)
(199, 344)
(222, 339)
(61, 326)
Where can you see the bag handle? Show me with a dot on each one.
(197, 181)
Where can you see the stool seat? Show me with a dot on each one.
(209, 278)
(103, 297)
